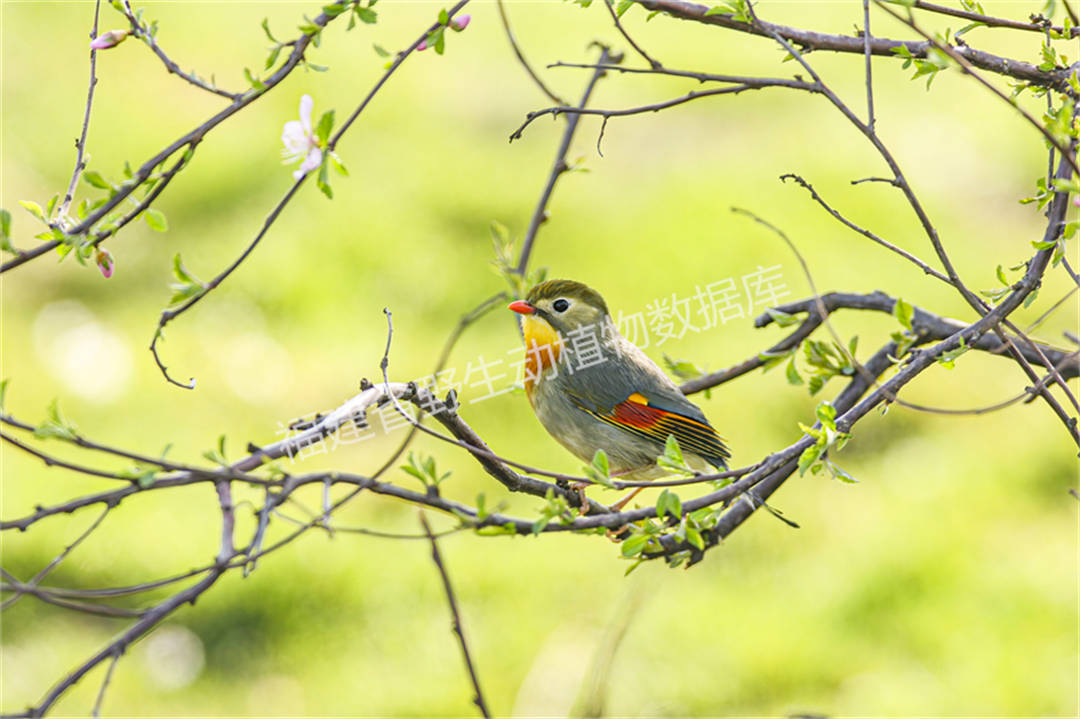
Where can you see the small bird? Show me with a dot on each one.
(593, 389)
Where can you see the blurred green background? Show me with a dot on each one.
(944, 583)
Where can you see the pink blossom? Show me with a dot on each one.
(422, 46)
(105, 263)
(112, 38)
(461, 22)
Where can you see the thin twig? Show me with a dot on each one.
(637, 48)
(36, 579)
(557, 169)
(105, 684)
(864, 232)
(143, 33)
(521, 55)
(757, 84)
(991, 21)
(80, 144)
(459, 631)
(867, 38)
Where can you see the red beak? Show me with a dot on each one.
(522, 307)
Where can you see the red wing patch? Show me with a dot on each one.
(635, 415)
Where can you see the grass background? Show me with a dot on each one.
(944, 583)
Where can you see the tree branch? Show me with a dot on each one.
(459, 631)
(811, 40)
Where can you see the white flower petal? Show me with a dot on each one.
(313, 160)
(306, 103)
(295, 141)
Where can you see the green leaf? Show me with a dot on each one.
(143, 476)
(903, 313)
(840, 474)
(947, 359)
(217, 456)
(323, 181)
(600, 471)
(736, 8)
(772, 360)
(95, 179)
(623, 6)
(694, 537)
(782, 319)
(55, 426)
(632, 546)
(826, 414)
(792, 373)
(366, 15)
(326, 124)
(266, 29)
(33, 208)
(253, 80)
(338, 164)
(683, 369)
(808, 457)
(1001, 276)
(3, 392)
(380, 50)
(444, 17)
(414, 472)
(180, 272)
(156, 220)
(5, 223)
(672, 450)
(668, 504)
(272, 57)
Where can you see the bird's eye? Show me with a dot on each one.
(560, 305)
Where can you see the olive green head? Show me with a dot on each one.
(565, 304)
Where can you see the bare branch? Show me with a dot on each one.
(864, 232)
(521, 56)
(618, 25)
(459, 631)
(753, 84)
(559, 167)
(811, 40)
(144, 33)
(80, 144)
(990, 21)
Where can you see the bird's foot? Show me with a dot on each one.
(617, 507)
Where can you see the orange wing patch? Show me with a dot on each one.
(635, 415)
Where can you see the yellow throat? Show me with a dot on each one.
(542, 348)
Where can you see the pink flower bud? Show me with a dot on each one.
(112, 38)
(1076, 200)
(461, 22)
(422, 46)
(105, 263)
